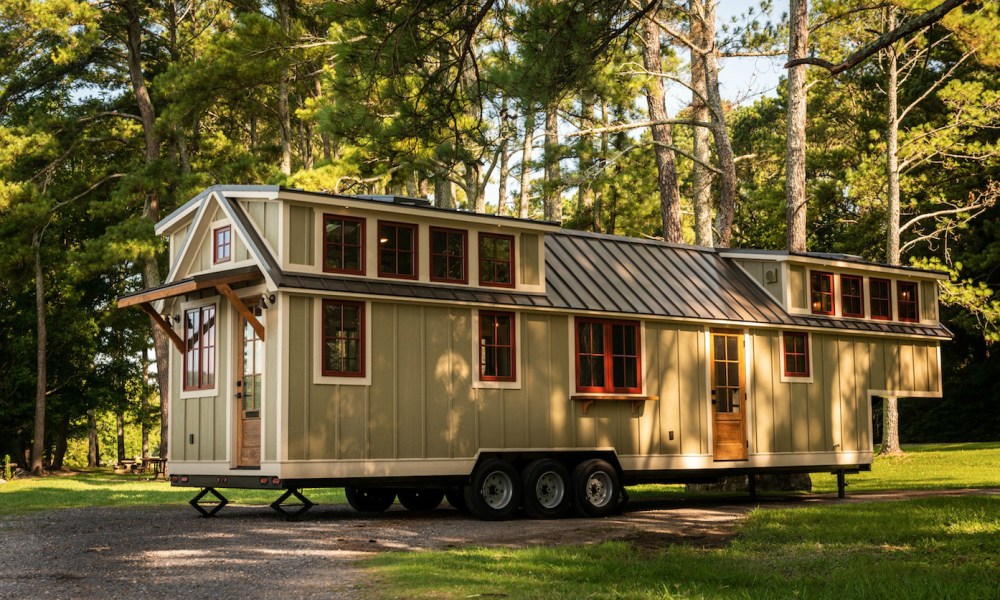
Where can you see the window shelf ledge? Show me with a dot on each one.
(637, 401)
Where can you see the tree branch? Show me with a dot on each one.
(890, 37)
(636, 125)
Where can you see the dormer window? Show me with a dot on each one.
(908, 301)
(397, 250)
(821, 293)
(222, 245)
(881, 298)
(852, 296)
(343, 245)
(496, 260)
(449, 256)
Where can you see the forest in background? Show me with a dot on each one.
(115, 112)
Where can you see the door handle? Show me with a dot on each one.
(239, 394)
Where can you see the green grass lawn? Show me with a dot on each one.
(100, 487)
(921, 548)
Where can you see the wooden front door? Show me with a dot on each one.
(249, 368)
(729, 429)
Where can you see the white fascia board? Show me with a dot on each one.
(839, 264)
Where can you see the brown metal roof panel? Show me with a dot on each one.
(666, 286)
(587, 283)
(697, 293)
(738, 299)
(632, 278)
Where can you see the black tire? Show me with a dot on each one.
(494, 493)
(456, 498)
(547, 489)
(596, 488)
(420, 499)
(370, 500)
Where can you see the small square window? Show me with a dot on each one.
(397, 250)
(343, 338)
(796, 354)
(343, 245)
(222, 245)
(607, 356)
(449, 259)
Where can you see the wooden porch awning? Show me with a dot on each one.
(219, 281)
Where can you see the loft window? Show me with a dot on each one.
(852, 296)
(908, 302)
(449, 258)
(496, 260)
(199, 348)
(880, 291)
(222, 245)
(796, 351)
(496, 346)
(397, 250)
(607, 356)
(343, 338)
(821, 293)
(343, 245)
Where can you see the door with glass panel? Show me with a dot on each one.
(249, 392)
(729, 430)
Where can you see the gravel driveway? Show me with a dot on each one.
(251, 552)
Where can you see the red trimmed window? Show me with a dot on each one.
(199, 348)
(821, 293)
(908, 301)
(607, 356)
(397, 250)
(449, 259)
(496, 346)
(852, 296)
(343, 338)
(881, 298)
(343, 245)
(222, 245)
(796, 349)
(496, 260)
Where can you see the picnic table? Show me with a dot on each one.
(157, 465)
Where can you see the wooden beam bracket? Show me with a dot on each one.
(636, 401)
(241, 308)
(164, 325)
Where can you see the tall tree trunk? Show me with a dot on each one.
(701, 177)
(890, 407)
(150, 268)
(795, 145)
(442, 192)
(720, 133)
(504, 174)
(41, 383)
(524, 201)
(120, 435)
(323, 136)
(552, 190)
(666, 169)
(144, 424)
(62, 433)
(585, 193)
(473, 182)
(93, 449)
(284, 112)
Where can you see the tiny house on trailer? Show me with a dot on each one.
(396, 349)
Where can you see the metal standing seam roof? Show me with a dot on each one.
(604, 273)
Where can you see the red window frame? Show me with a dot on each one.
(384, 250)
(799, 350)
(606, 357)
(326, 337)
(491, 265)
(847, 299)
(817, 295)
(222, 250)
(490, 352)
(335, 247)
(880, 306)
(908, 301)
(448, 257)
(199, 348)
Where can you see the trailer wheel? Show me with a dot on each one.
(546, 489)
(456, 498)
(420, 499)
(595, 488)
(494, 493)
(370, 500)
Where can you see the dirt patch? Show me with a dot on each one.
(251, 552)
